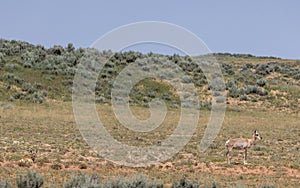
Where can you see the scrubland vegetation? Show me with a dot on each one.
(263, 93)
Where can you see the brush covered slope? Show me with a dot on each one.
(35, 74)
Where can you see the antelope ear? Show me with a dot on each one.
(255, 131)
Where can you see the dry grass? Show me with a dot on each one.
(51, 129)
(240, 60)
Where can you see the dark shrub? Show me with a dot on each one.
(263, 69)
(27, 87)
(297, 76)
(227, 68)
(12, 79)
(2, 60)
(56, 50)
(184, 183)
(251, 89)
(261, 82)
(263, 92)
(56, 166)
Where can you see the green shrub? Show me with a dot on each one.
(231, 83)
(186, 79)
(38, 97)
(70, 47)
(56, 50)
(297, 76)
(37, 85)
(254, 99)
(27, 87)
(151, 94)
(184, 183)
(11, 67)
(207, 105)
(201, 82)
(220, 99)
(11, 99)
(67, 82)
(261, 82)
(146, 99)
(217, 84)
(17, 95)
(100, 99)
(12, 79)
(78, 181)
(249, 65)
(263, 92)
(232, 88)
(251, 89)
(264, 69)
(227, 68)
(166, 96)
(137, 182)
(30, 180)
(32, 58)
(2, 60)
(243, 97)
(110, 71)
(234, 92)
(5, 184)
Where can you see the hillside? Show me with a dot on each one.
(30, 73)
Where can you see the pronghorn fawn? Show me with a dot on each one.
(28, 161)
(241, 144)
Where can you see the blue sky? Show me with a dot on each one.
(258, 27)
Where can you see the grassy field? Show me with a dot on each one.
(62, 152)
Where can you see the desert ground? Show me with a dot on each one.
(62, 152)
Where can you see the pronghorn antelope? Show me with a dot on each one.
(28, 161)
(241, 144)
